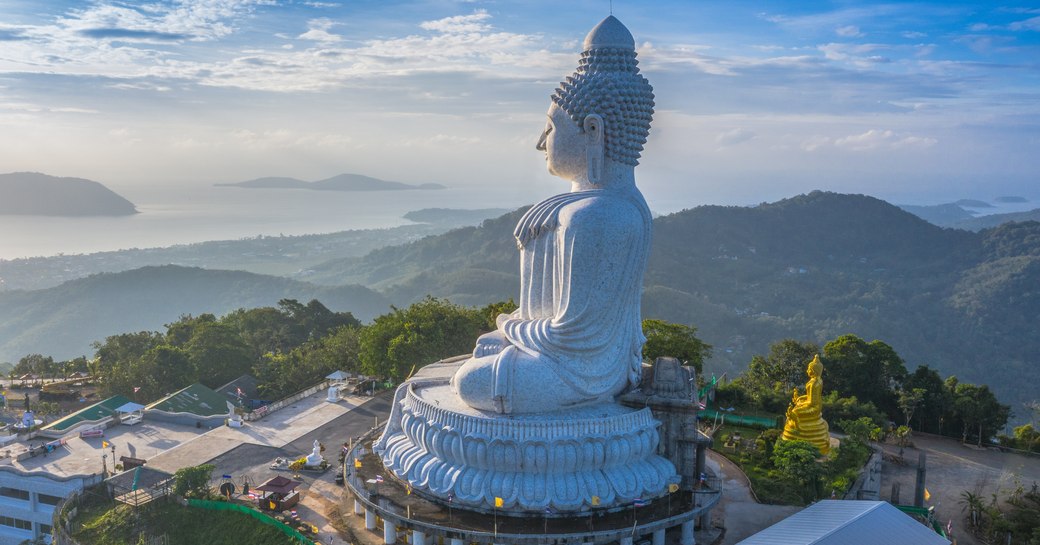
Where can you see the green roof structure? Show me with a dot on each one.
(93, 413)
(195, 399)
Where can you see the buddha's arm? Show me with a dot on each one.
(811, 404)
(595, 265)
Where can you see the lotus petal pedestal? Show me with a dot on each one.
(566, 461)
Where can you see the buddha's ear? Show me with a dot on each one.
(594, 150)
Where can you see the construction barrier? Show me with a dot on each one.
(711, 415)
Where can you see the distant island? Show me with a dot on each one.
(454, 216)
(341, 182)
(36, 194)
(1012, 199)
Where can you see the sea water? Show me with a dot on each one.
(172, 215)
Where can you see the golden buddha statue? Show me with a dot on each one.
(805, 414)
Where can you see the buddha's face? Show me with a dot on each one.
(564, 145)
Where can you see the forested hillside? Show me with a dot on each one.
(812, 267)
(63, 321)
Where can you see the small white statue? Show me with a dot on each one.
(234, 419)
(333, 394)
(577, 337)
(315, 458)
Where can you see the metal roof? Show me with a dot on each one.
(195, 399)
(97, 411)
(847, 522)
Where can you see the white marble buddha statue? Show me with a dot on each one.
(576, 337)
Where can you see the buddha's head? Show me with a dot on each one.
(602, 112)
(815, 369)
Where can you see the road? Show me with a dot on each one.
(738, 510)
(321, 497)
(951, 469)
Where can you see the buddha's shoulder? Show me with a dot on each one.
(606, 206)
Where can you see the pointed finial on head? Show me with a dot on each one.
(610, 33)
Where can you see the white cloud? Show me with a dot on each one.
(1032, 23)
(460, 24)
(814, 143)
(877, 138)
(848, 31)
(175, 21)
(318, 31)
(734, 136)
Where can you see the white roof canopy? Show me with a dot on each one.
(130, 408)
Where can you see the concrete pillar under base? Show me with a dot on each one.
(625, 541)
(418, 538)
(705, 521)
(370, 519)
(358, 508)
(659, 537)
(457, 541)
(389, 532)
(687, 537)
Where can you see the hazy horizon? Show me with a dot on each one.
(756, 101)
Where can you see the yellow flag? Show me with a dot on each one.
(407, 489)
(357, 463)
(499, 502)
(595, 501)
(927, 495)
(104, 444)
(672, 488)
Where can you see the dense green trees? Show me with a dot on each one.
(797, 460)
(675, 340)
(869, 379)
(869, 371)
(430, 330)
(283, 346)
(193, 480)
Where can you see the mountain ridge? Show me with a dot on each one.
(63, 321)
(37, 194)
(811, 267)
(339, 182)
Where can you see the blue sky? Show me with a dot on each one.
(910, 101)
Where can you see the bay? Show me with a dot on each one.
(183, 214)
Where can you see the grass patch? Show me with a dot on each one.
(103, 522)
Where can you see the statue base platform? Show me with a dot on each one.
(578, 459)
(817, 433)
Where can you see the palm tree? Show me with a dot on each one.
(973, 503)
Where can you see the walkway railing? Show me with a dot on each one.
(265, 410)
(701, 499)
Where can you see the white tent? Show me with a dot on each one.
(848, 522)
(130, 413)
(338, 375)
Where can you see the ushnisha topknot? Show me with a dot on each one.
(607, 82)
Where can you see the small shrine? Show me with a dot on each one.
(278, 494)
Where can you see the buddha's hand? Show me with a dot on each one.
(489, 344)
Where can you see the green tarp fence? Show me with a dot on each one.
(740, 420)
(227, 506)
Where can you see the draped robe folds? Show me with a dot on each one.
(582, 260)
